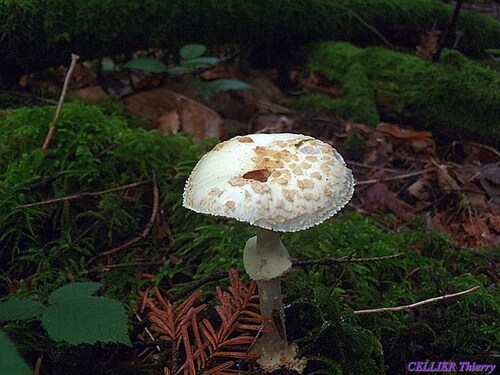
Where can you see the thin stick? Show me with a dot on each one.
(345, 259)
(136, 264)
(366, 24)
(52, 128)
(344, 270)
(417, 304)
(149, 225)
(219, 275)
(392, 178)
(81, 195)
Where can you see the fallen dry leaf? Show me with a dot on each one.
(418, 141)
(157, 107)
(91, 94)
(378, 195)
(169, 123)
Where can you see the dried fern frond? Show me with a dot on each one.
(203, 346)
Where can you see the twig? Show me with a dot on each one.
(29, 96)
(391, 178)
(344, 270)
(38, 365)
(219, 275)
(364, 23)
(345, 259)
(148, 332)
(136, 264)
(449, 29)
(149, 225)
(417, 304)
(368, 166)
(81, 195)
(52, 128)
(215, 276)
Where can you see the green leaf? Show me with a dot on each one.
(10, 360)
(192, 51)
(108, 66)
(20, 309)
(228, 84)
(85, 289)
(147, 64)
(87, 320)
(202, 62)
(177, 70)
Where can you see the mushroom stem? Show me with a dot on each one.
(266, 259)
(271, 304)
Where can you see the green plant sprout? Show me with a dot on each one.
(192, 62)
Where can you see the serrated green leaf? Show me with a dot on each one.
(177, 70)
(84, 289)
(20, 309)
(86, 320)
(192, 51)
(202, 62)
(10, 360)
(147, 64)
(228, 84)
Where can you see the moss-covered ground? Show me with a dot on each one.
(455, 98)
(37, 34)
(46, 246)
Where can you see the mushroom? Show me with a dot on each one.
(277, 183)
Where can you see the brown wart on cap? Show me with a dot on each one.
(278, 183)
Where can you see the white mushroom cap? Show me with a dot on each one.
(281, 182)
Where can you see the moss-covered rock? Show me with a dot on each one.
(456, 97)
(37, 34)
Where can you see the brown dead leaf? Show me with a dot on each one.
(477, 228)
(380, 151)
(379, 196)
(420, 188)
(169, 122)
(156, 107)
(317, 84)
(418, 141)
(494, 222)
(476, 152)
(91, 94)
(271, 123)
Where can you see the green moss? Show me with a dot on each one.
(431, 266)
(94, 28)
(51, 244)
(453, 98)
(358, 104)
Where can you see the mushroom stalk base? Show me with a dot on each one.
(266, 259)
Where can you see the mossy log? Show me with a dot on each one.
(36, 34)
(455, 97)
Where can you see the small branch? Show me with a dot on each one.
(149, 225)
(391, 178)
(366, 24)
(417, 304)
(344, 270)
(136, 264)
(449, 29)
(81, 195)
(345, 259)
(219, 275)
(52, 128)
(215, 276)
